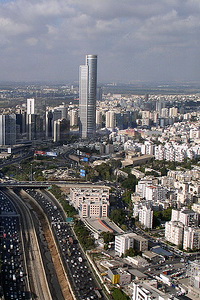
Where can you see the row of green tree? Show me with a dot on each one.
(84, 235)
(69, 209)
(159, 216)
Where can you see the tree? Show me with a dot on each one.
(166, 214)
(156, 219)
(117, 294)
(118, 216)
(130, 183)
(130, 252)
(108, 237)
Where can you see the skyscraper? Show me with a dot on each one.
(30, 106)
(87, 96)
(7, 129)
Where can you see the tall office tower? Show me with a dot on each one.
(30, 106)
(61, 130)
(87, 96)
(34, 127)
(8, 129)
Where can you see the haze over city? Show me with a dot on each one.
(134, 40)
(99, 150)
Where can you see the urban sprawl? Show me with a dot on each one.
(126, 168)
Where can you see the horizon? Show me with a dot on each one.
(135, 41)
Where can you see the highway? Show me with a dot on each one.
(33, 261)
(83, 284)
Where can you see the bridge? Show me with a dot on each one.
(48, 184)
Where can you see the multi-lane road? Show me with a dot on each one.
(55, 265)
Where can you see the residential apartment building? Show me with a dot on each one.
(193, 272)
(186, 216)
(191, 238)
(146, 216)
(174, 232)
(129, 240)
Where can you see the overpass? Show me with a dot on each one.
(47, 184)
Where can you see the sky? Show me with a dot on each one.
(135, 40)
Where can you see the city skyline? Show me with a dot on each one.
(135, 41)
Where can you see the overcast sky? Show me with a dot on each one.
(135, 40)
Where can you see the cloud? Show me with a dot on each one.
(53, 36)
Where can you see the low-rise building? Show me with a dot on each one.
(145, 291)
(91, 202)
(130, 240)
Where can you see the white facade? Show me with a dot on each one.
(73, 117)
(174, 232)
(144, 291)
(110, 119)
(124, 242)
(30, 106)
(191, 239)
(130, 240)
(92, 203)
(146, 216)
(186, 216)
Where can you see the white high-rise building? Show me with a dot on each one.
(173, 112)
(191, 238)
(174, 232)
(146, 216)
(30, 106)
(186, 216)
(110, 119)
(87, 96)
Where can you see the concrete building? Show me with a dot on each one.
(130, 240)
(7, 129)
(191, 238)
(174, 232)
(186, 216)
(87, 96)
(30, 106)
(146, 216)
(110, 119)
(91, 202)
(140, 243)
(193, 272)
(124, 242)
(146, 291)
(73, 114)
(119, 276)
(99, 119)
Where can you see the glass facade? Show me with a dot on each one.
(87, 96)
